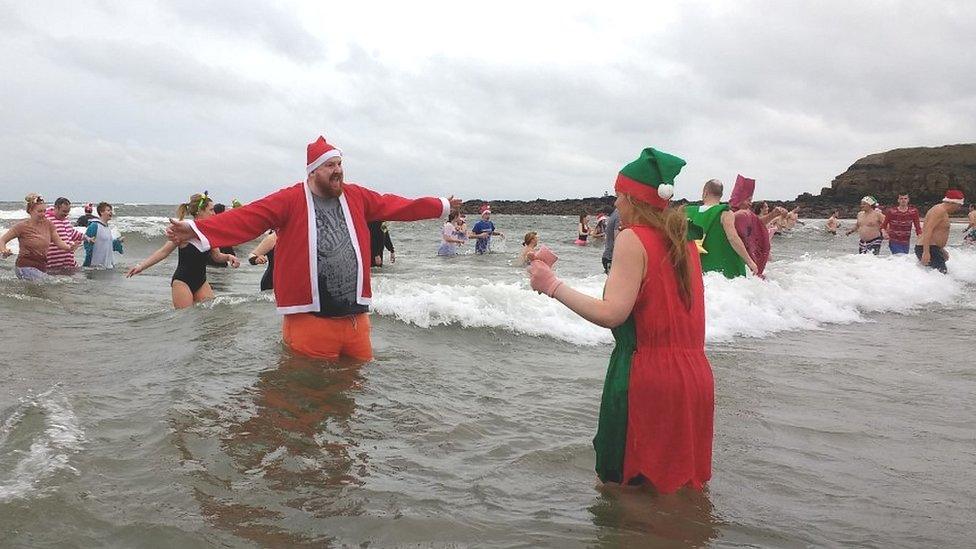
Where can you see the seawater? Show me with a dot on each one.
(844, 409)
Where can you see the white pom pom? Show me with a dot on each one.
(665, 191)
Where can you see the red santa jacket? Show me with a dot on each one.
(291, 213)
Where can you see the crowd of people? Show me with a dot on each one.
(322, 235)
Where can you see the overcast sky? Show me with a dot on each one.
(133, 101)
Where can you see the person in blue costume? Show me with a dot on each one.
(483, 231)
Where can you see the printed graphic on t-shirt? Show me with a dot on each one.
(337, 270)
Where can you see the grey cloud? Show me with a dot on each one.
(268, 23)
(159, 70)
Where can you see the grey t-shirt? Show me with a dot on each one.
(338, 269)
(611, 231)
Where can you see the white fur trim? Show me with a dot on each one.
(321, 160)
(447, 207)
(665, 191)
(200, 242)
(959, 201)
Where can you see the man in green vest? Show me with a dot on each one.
(724, 250)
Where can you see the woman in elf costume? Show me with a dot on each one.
(655, 422)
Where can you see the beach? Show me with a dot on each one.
(843, 417)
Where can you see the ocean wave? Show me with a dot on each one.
(50, 449)
(802, 294)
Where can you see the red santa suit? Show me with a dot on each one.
(291, 212)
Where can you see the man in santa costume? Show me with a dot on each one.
(322, 257)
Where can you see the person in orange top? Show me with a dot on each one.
(657, 411)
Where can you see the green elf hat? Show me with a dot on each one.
(650, 178)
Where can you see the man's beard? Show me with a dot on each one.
(327, 189)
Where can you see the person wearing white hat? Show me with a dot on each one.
(868, 226)
(930, 249)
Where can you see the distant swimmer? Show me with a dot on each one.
(970, 230)
(600, 229)
(930, 249)
(189, 283)
(322, 254)
(264, 255)
(529, 246)
(379, 238)
(34, 236)
(219, 209)
(582, 230)
(87, 217)
(100, 244)
(897, 225)
(724, 250)
(58, 260)
(450, 239)
(483, 231)
(613, 227)
(657, 410)
(833, 224)
(868, 227)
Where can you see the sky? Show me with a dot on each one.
(149, 102)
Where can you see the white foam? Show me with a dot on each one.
(800, 294)
(51, 450)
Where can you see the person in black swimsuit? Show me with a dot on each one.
(189, 283)
(264, 255)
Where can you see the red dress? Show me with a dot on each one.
(671, 398)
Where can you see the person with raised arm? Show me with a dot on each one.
(656, 415)
(322, 253)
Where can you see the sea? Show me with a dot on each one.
(845, 410)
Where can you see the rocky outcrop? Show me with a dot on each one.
(924, 172)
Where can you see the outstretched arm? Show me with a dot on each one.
(56, 238)
(220, 257)
(7, 237)
(155, 258)
(390, 207)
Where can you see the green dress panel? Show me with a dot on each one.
(611, 434)
(721, 257)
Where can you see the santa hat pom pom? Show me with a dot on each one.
(665, 191)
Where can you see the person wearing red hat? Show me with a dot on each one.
(322, 254)
(930, 249)
(655, 424)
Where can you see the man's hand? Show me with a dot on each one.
(392, 257)
(179, 232)
(454, 202)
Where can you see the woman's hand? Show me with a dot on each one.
(134, 271)
(5, 252)
(233, 261)
(542, 278)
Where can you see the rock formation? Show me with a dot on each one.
(924, 172)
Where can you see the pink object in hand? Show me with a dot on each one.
(546, 255)
(542, 279)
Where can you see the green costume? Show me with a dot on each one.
(611, 433)
(720, 256)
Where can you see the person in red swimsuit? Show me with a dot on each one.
(658, 402)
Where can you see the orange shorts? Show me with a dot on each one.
(328, 338)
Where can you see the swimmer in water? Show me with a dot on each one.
(529, 245)
(833, 224)
(189, 283)
(582, 230)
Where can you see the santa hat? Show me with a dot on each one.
(870, 201)
(89, 208)
(319, 151)
(954, 196)
(650, 178)
(742, 191)
(485, 208)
